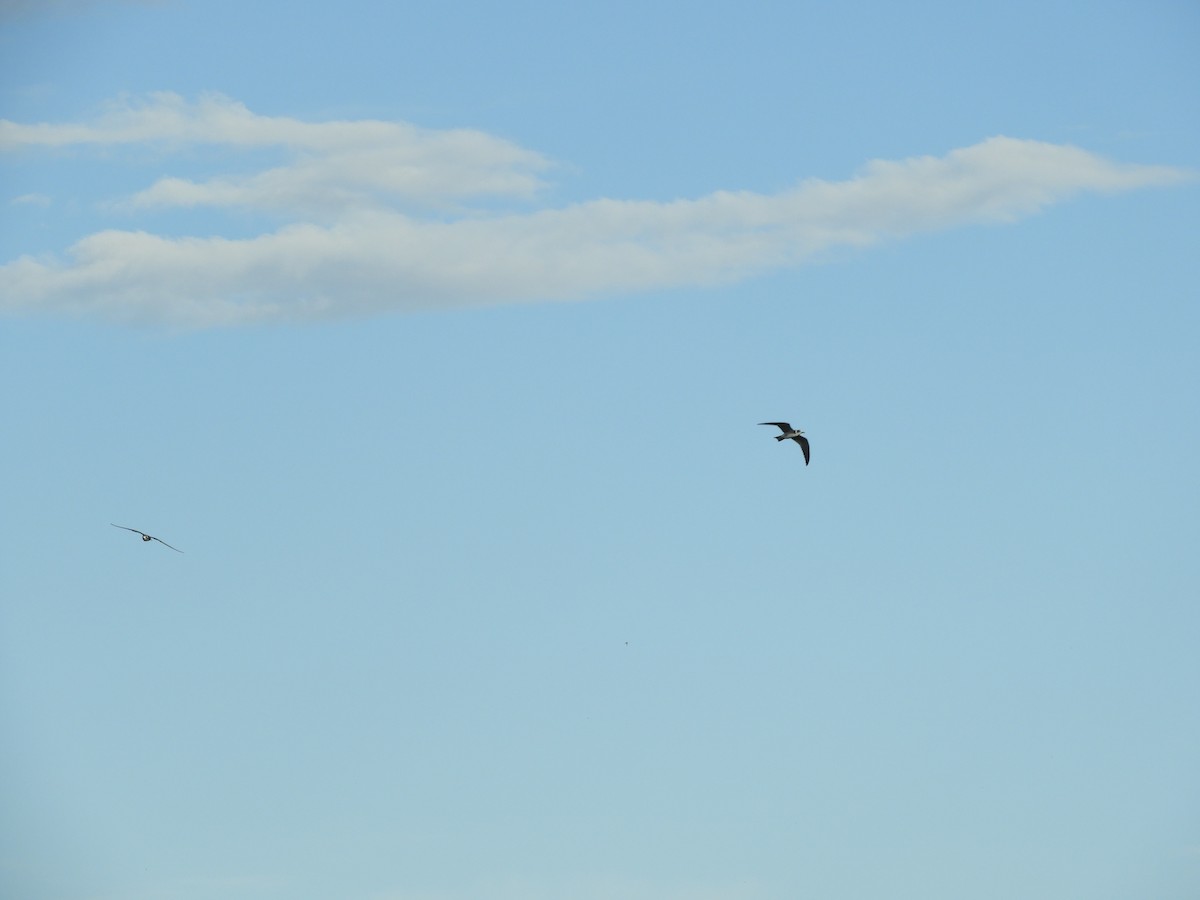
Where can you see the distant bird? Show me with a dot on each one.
(146, 537)
(789, 432)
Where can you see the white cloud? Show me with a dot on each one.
(336, 165)
(353, 250)
(34, 199)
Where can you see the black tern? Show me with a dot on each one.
(789, 432)
(146, 537)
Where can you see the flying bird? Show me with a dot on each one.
(789, 432)
(146, 537)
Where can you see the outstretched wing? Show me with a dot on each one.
(148, 537)
(803, 442)
(784, 425)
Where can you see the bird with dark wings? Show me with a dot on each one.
(789, 432)
(145, 537)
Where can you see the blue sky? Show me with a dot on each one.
(437, 340)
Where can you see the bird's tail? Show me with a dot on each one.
(781, 437)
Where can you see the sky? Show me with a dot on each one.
(436, 337)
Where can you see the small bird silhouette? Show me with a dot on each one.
(789, 432)
(146, 537)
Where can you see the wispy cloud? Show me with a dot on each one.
(33, 199)
(386, 216)
(333, 167)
